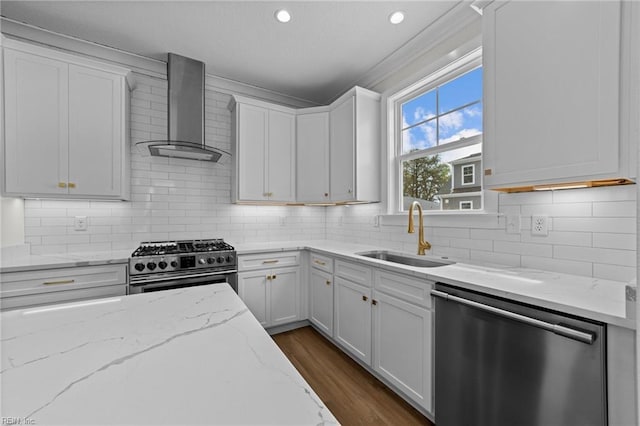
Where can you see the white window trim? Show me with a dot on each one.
(465, 202)
(473, 174)
(464, 64)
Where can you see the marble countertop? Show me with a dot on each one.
(593, 298)
(19, 259)
(187, 356)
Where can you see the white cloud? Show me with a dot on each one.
(464, 133)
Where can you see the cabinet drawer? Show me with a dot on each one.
(51, 297)
(406, 288)
(251, 262)
(323, 263)
(353, 272)
(61, 280)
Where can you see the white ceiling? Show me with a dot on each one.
(326, 48)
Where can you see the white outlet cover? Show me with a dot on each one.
(540, 225)
(80, 223)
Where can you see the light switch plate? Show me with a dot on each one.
(513, 224)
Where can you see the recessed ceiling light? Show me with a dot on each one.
(283, 16)
(396, 17)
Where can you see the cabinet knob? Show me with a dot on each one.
(62, 184)
(374, 302)
(326, 194)
(365, 298)
(72, 185)
(273, 277)
(328, 282)
(350, 190)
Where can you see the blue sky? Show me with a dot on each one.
(451, 125)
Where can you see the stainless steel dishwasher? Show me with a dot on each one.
(502, 363)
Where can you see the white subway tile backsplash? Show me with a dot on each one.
(596, 255)
(615, 241)
(596, 224)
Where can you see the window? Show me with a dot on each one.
(438, 138)
(468, 175)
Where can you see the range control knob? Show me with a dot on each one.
(229, 259)
(211, 260)
(220, 259)
(139, 266)
(162, 264)
(151, 266)
(174, 264)
(202, 261)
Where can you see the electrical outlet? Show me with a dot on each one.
(80, 223)
(540, 225)
(513, 224)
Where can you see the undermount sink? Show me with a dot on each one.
(405, 259)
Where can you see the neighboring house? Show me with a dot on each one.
(466, 186)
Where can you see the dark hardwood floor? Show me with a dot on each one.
(353, 395)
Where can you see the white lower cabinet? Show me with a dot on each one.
(23, 289)
(380, 318)
(402, 346)
(271, 293)
(353, 318)
(321, 295)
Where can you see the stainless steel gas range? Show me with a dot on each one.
(164, 265)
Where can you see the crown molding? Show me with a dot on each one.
(139, 64)
(457, 18)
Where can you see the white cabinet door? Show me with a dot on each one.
(252, 123)
(36, 132)
(66, 131)
(281, 157)
(252, 289)
(342, 151)
(284, 296)
(313, 157)
(353, 318)
(321, 294)
(95, 132)
(552, 92)
(402, 346)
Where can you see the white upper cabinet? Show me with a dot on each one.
(557, 90)
(263, 148)
(312, 138)
(354, 145)
(66, 125)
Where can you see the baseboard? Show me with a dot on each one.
(287, 327)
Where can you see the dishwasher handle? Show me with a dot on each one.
(562, 330)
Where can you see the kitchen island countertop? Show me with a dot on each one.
(187, 356)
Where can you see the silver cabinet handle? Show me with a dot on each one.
(582, 336)
(319, 262)
(270, 261)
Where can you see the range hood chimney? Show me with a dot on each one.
(186, 114)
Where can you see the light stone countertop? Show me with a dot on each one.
(587, 297)
(20, 260)
(187, 356)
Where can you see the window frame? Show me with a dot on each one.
(473, 175)
(447, 73)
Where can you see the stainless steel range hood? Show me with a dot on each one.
(186, 114)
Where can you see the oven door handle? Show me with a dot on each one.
(146, 280)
